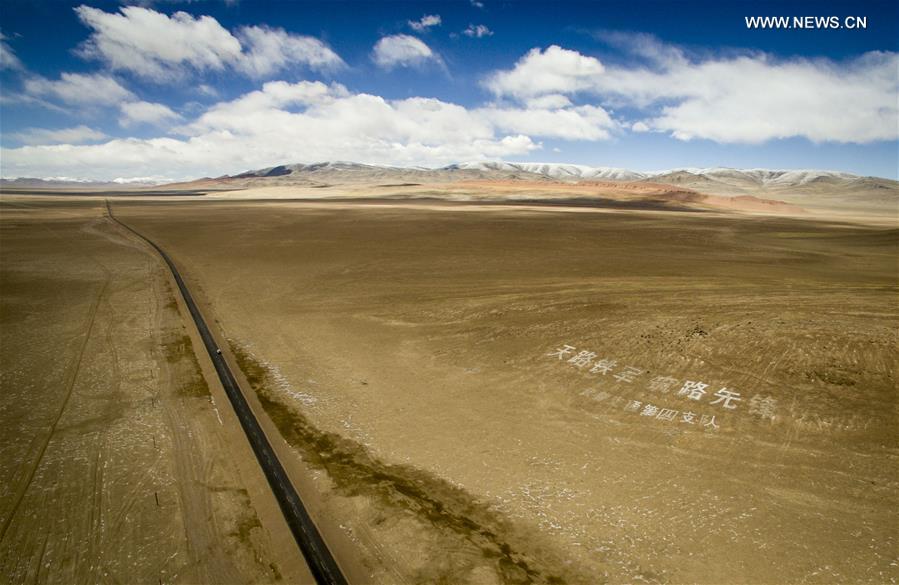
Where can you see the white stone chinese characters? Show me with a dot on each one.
(662, 384)
(728, 397)
(562, 352)
(589, 362)
(763, 406)
(583, 358)
(628, 374)
(693, 390)
(603, 367)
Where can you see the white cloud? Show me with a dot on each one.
(16, 98)
(752, 99)
(646, 46)
(271, 50)
(426, 22)
(477, 4)
(554, 70)
(577, 123)
(550, 101)
(402, 51)
(477, 31)
(79, 89)
(258, 110)
(75, 135)
(147, 3)
(207, 90)
(154, 45)
(275, 124)
(639, 127)
(145, 113)
(748, 98)
(8, 58)
(94, 91)
(162, 48)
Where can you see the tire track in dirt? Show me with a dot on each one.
(70, 385)
(202, 546)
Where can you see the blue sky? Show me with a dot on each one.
(174, 90)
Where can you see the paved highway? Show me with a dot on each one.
(318, 557)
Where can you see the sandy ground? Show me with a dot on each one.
(599, 192)
(515, 395)
(121, 464)
(860, 200)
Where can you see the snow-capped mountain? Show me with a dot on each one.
(801, 187)
(564, 171)
(693, 177)
(760, 176)
(555, 170)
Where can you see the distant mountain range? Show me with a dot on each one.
(35, 183)
(347, 172)
(581, 172)
(801, 187)
(557, 171)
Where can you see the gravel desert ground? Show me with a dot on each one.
(488, 393)
(121, 464)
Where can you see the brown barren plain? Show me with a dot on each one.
(407, 354)
(121, 463)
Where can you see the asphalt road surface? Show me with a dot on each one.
(322, 564)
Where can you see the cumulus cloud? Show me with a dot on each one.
(270, 50)
(275, 124)
(92, 92)
(145, 113)
(551, 71)
(8, 58)
(159, 47)
(75, 135)
(477, 31)
(154, 45)
(747, 98)
(575, 123)
(258, 110)
(549, 101)
(425, 22)
(752, 99)
(402, 51)
(639, 127)
(79, 89)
